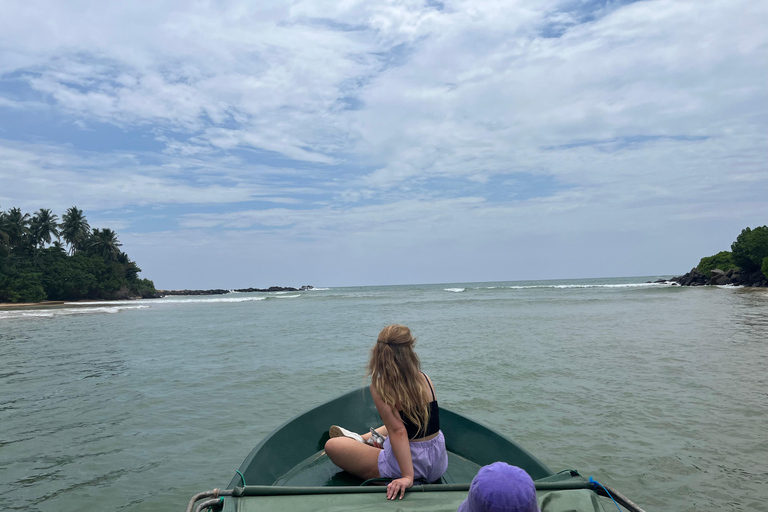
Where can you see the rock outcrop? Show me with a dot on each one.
(162, 293)
(276, 289)
(192, 292)
(732, 276)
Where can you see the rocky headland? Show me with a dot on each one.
(719, 277)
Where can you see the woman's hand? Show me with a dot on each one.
(398, 486)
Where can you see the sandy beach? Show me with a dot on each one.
(31, 304)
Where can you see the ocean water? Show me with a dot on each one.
(659, 391)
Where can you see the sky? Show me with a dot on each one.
(339, 143)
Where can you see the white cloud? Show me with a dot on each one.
(651, 118)
(35, 176)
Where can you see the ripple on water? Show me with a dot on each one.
(648, 389)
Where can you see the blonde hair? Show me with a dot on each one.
(395, 372)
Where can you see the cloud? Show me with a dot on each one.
(418, 123)
(100, 181)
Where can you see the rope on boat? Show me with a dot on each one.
(595, 483)
(208, 504)
(216, 493)
(241, 476)
(611, 492)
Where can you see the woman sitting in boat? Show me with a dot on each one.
(414, 446)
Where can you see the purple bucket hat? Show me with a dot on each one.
(500, 487)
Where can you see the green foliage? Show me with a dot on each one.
(764, 268)
(19, 282)
(43, 227)
(75, 229)
(722, 260)
(750, 248)
(96, 268)
(104, 242)
(145, 287)
(16, 227)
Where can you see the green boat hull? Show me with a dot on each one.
(289, 470)
(293, 454)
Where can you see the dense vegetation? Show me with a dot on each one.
(35, 266)
(749, 253)
(721, 260)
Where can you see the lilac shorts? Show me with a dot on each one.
(430, 460)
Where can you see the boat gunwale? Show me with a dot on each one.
(273, 490)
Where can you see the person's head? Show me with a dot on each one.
(395, 372)
(500, 487)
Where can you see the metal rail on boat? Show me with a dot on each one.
(270, 490)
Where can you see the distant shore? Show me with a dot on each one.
(241, 290)
(31, 304)
(159, 294)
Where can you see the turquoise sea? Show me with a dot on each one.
(657, 390)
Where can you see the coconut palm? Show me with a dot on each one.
(132, 271)
(43, 227)
(17, 226)
(104, 242)
(75, 229)
(4, 236)
(59, 248)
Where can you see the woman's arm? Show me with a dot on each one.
(401, 447)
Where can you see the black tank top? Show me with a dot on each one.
(433, 425)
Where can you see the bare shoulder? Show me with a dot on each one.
(429, 384)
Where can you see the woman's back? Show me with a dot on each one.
(432, 426)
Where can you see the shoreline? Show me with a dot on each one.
(25, 305)
(160, 294)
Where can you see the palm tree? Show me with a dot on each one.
(43, 227)
(4, 236)
(132, 271)
(17, 225)
(75, 229)
(59, 248)
(104, 242)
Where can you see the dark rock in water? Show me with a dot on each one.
(277, 289)
(692, 278)
(732, 276)
(193, 292)
(162, 293)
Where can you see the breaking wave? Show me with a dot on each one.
(54, 312)
(566, 286)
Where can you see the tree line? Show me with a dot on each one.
(749, 253)
(35, 265)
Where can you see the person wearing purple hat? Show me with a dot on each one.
(500, 487)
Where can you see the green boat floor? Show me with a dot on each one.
(318, 470)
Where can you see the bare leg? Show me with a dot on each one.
(358, 458)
